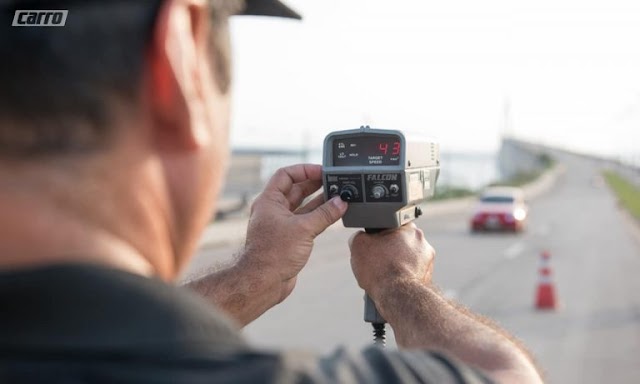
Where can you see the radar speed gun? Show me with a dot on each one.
(384, 175)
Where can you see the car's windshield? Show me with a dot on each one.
(497, 199)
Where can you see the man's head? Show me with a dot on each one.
(61, 86)
(120, 118)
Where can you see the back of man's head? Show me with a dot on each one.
(62, 87)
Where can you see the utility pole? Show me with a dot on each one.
(508, 128)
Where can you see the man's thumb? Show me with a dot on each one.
(328, 213)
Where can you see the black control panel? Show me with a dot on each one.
(368, 187)
(348, 187)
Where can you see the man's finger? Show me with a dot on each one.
(322, 217)
(285, 178)
(311, 205)
(301, 191)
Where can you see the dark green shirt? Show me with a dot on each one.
(86, 324)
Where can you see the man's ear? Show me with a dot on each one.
(174, 82)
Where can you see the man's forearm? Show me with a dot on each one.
(243, 295)
(422, 318)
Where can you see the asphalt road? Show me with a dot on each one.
(593, 338)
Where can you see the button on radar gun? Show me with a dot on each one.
(384, 175)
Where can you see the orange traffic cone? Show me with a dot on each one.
(546, 292)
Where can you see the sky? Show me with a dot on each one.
(559, 72)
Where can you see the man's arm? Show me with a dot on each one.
(279, 242)
(242, 293)
(399, 282)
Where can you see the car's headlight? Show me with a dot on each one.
(519, 214)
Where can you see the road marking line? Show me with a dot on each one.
(514, 250)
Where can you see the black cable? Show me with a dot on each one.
(379, 334)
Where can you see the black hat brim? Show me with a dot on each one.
(269, 8)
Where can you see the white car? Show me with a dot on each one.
(500, 208)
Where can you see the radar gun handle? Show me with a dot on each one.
(371, 314)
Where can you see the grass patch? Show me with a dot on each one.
(546, 160)
(523, 178)
(628, 194)
(449, 192)
(518, 180)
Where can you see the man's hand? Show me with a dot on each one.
(394, 267)
(279, 241)
(390, 257)
(281, 232)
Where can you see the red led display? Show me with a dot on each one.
(367, 150)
